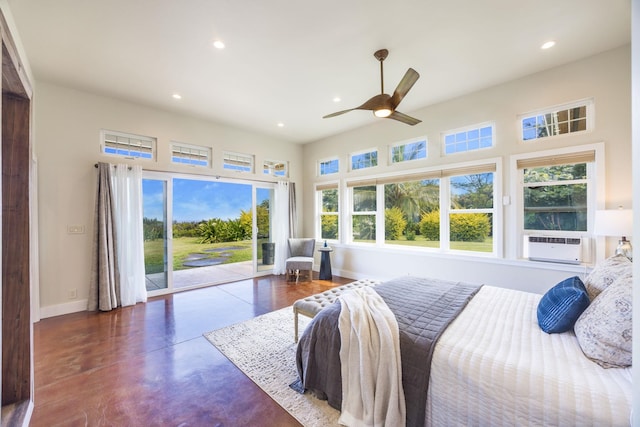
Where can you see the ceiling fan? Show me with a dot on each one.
(385, 105)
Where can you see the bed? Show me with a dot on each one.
(494, 365)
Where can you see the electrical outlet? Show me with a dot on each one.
(73, 293)
(75, 229)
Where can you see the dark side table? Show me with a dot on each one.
(325, 263)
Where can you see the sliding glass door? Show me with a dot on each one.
(203, 231)
(265, 245)
(156, 234)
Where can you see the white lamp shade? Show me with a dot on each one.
(614, 222)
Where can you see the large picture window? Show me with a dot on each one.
(411, 215)
(449, 209)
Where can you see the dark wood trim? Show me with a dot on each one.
(14, 76)
(16, 295)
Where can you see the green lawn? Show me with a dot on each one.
(184, 246)
(486, 246)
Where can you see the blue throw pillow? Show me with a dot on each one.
(561, 306)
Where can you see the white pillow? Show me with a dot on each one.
(606, 273)
(604, 328)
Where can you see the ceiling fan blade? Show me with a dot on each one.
(370, 104)
(407, 82)
(401, 117)
(337, 113)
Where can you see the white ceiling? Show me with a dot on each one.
(286, 60)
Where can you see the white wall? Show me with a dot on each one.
(67, 132)
(605, 77)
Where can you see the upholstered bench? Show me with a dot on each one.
(311, 305)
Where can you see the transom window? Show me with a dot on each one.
(328, 167)
(193, 155)
(468, 139)
(127, 145)
(561, 120)
(407, 151)
(275, 168)
(237, 162)
(363, 160)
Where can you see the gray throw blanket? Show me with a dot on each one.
(423, 308)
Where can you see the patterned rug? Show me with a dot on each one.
(264, 350)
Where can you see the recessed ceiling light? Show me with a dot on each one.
(176, 96)
(548, 44)
(280, 125)
(337, 99)
(218, 44)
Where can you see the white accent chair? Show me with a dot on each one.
(300, 258)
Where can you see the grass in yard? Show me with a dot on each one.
(185, 246)
(486, 246)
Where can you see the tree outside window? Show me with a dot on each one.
(555, 198)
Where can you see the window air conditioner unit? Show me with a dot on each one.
(566, 250)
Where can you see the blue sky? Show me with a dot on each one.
(195, 200)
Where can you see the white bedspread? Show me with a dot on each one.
(370, 362)
(493, 366)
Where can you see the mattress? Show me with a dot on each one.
(494, 366)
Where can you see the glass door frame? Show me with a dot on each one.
(167, 178)
(271, 187)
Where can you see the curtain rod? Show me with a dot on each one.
(115, 166)
(212, 176)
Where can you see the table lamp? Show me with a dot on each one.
(616, 222)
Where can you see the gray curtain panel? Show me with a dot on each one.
(293, 223)
(104, 291)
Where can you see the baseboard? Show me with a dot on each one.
(60, 309)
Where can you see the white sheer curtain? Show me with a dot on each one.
(127, 192)
(281, 227)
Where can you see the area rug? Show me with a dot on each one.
(264, 350)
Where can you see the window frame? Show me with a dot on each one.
(153, 142)
(404, 144)
(319, 188)
(326, 161)
(271, 171)
(228, 156)
(201, 148)
(493, 165)
(595, 199)
(364, 152)
(466, 129)
(589, 105)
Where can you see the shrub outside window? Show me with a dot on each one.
(363, 214)
(329, 212)
(409, 213)
(471, 212)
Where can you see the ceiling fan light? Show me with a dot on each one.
(382, 112)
